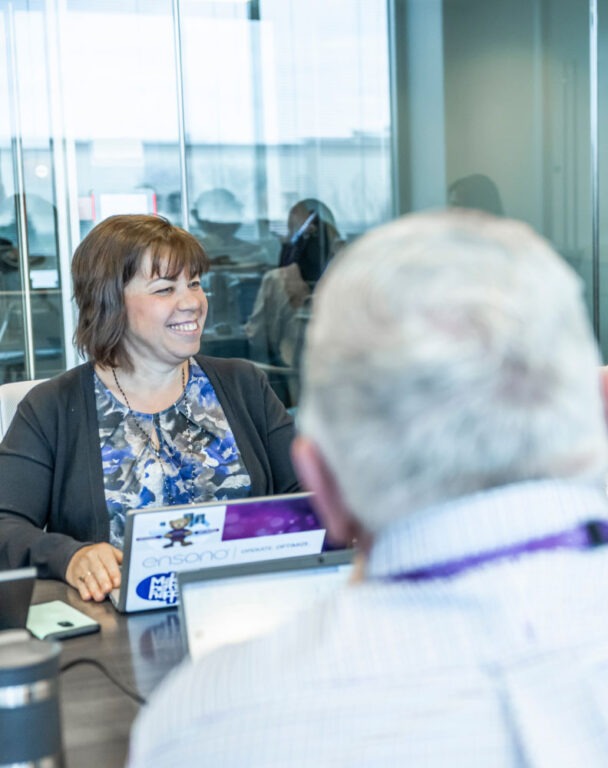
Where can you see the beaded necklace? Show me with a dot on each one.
(149, 442)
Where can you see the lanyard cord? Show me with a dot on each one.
(591, 534)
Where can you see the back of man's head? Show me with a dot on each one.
(449, 352)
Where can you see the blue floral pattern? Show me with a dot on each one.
(198, 459)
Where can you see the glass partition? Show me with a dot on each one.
(119, 89)
(277, 131)
(494, 103)
(31, 317)
(288, 158)
(599, 85)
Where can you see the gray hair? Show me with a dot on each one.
(450, 352)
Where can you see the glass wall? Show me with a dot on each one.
(31, 304)
(276, 131)
(284, 102)
(517, 112)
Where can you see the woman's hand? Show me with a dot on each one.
(94, 571)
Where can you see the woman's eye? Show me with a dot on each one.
(195, 284)
(163, 291)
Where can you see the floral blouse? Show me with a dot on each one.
(197, 459)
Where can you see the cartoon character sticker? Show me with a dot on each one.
(181, 529)
(179, 532)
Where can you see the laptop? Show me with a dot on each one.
(16, 589)
(234, 603)
(161, 542)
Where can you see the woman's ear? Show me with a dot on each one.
(315, 475)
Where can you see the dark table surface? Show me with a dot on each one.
(138, 650)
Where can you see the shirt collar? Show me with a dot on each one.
(484, 521)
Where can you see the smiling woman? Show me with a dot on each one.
(166, 314)
(146, 422)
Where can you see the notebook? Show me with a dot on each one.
(234, 603)
(16, 588)
(164, 541)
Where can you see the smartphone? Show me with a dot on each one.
(301, 231)
(58, 620)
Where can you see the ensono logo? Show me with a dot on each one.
(186, 558)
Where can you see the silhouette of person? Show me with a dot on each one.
(476, 191)
(276, 326)
(218, 213)
(312, 238)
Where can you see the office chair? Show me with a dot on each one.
(10, 396)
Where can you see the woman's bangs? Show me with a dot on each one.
(170, 260)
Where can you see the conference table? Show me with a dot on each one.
(138, 650)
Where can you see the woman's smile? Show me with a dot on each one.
(186, 327)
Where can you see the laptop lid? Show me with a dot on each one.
(163, 541)
(16, 588)
(233, 603)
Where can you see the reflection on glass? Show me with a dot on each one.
(24, 104)
(516, 95)
(300, 112)
(44, 287)
(282, 306)
(476, 191)
(286, 100)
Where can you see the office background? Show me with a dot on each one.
(375, 107)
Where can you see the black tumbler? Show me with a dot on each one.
(30, 723)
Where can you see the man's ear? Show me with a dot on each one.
(314, 475)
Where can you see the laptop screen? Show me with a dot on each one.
(16, 588)
(239, 602)
(161, 542)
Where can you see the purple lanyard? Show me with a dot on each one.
(586, 536)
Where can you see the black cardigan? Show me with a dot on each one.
(51, 470)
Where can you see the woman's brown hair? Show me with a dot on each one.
(106, 260)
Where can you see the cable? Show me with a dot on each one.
(103, 669)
